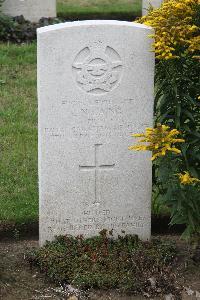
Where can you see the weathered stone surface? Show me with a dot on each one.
(147, 3)
(32, 10)
(95, 88)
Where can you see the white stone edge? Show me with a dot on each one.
(90, 22)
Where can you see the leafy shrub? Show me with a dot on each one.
(125, 263)
(19, 30)
(177, 105)
(177, 28)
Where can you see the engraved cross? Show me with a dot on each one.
(96, 167)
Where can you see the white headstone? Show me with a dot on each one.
(146, 4)
(95, 88)
(32, 10)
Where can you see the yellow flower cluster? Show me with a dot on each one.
(174, 28)
(194, 44)
(159, 140)
(185, 178)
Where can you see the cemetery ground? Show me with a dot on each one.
(19, 195)
(20, 282)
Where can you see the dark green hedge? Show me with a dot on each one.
(19, 30)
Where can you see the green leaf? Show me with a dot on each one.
(191, 100)
(187, 233)
(188, 114)
(195, 133)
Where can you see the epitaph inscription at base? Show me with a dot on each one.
(95, 88)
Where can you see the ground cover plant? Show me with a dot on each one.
(125, 263)
(18, 134)
(175, 140)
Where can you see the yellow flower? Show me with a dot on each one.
(159, 140)
(175, 28)
(185, 178)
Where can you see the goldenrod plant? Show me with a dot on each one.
(177, 108)
(185, 178)
(159, 140)
(176, 26)
(179, 191)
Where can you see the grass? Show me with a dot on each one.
(18, 134)
(80, 9)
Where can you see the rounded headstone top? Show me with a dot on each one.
(92, 23)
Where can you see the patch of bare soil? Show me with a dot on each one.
(19, 282)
